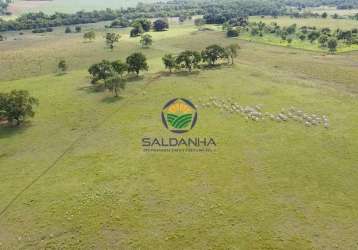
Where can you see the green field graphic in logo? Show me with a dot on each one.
(179, 115)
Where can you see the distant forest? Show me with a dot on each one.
(3, 6)
(214, 11)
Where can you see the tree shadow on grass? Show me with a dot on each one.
(112, 99)
(181, 73)
(7, 130)
(93, 88)
(134, 78)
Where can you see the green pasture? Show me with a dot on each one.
(269, 185)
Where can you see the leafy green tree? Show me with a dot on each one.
(324, 15)
(142, 22)
(301, 36)
(313, 35)
(115, 83)
(188, 59)
(68, 30)
(136, 31)
(232, 51)
(232, 32)
(78, 29)
(90, 35)
(160, 25)
(100, 71)
(2, 38)
(111, 39)
(212, 53)
(137, 62)
(16, 106)
(119, 67)
(62, 66)
(332, 45)
(254, 31)
(169, 62)
(323, 39)
(146, 40)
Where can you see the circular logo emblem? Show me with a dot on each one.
(179, 115)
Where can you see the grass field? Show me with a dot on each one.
(67, 6)
(318, 22)
(269, 185)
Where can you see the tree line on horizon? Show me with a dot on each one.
(213, 12)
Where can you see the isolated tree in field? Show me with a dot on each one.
(332, 45)
(232, 51)
(16, 106)
(137, 62)
(188, 59)
(78, 29)
(111, 39)
(199, 22)
(100, 71)
(289, 40)
(212, 53)
(90, 35)
(119, 67)
(160, 25)
(169, 62)
(232, 32)
(62, 66)
(136, 31)
(68, 30)
(324, 15)
(146, 40)
(115, 83)
(2, 38)
(323, 39)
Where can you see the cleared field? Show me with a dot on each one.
(67, 6)
(269, 185)
(332, 10)
(318, 22)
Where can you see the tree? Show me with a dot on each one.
(136, 31)
(232, 33)
(332, 45)
(169, 62)
(111, 39)
(119, 67)
(324, 15)
(232, 51)
(323, 39)
(302, 36)
(188, 59)
(137, 62)
(146, 40)
(199, 22)
(68, 30)
(145, 24)
(160, 25)
(212, 53)
(90, 35)
(313, 35)
(115, 83)
(2, 38)
(78, 29)
(62, 66)
(16, 106)
(100, 71)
